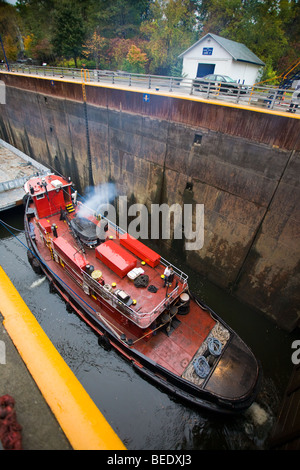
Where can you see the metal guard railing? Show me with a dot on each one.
(270, 97)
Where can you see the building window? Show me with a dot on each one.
(207, 50)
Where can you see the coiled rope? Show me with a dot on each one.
(141, 281)
(10, 429)
(201, 366)
(214, 346)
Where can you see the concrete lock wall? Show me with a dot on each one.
(241, 163)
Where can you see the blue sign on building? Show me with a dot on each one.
(146, 97)
(207, 50)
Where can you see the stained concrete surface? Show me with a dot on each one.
(241, 165)
(40, 429)
(15, 169)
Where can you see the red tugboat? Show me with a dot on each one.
(116, 284)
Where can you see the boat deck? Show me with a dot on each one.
(184, 341)
(187, 331)
(146, 300)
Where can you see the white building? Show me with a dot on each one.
(214, 54)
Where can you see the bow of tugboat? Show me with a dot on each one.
(223, 375)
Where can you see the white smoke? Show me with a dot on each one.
(98, 199)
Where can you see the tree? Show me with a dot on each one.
(96, 49)
(28, 41)
(120, 18)
(263, 26)
(160, 28)
(170, 29)
(220, 16)
(136, 60)
(42, 50)
(117, 52)
(36, 17)
(68, 31)
(10, 31)
(262, 30)
(10, 47)
(290, 14)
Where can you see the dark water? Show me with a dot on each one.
(144, 417)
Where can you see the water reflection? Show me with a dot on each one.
(143, 416)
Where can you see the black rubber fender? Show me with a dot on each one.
(104, 342)
(35, 264)
(52, 287)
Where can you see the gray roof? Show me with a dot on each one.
(237, 50)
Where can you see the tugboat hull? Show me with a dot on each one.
(171, 342)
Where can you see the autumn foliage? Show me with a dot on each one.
(146, 36)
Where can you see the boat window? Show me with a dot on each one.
(40, 196)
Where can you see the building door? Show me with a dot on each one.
(205, 69)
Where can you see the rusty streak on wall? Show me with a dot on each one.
(241, 163)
